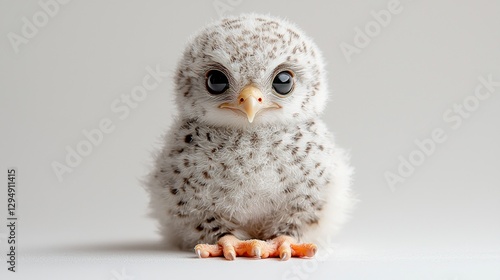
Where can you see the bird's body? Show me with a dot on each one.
(277, 173)
(253, 183)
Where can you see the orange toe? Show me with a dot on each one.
(284, 247)
(208, 250)
(254, 248)
(288, 247)
(304, 250)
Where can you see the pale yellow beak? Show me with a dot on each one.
(250, 101)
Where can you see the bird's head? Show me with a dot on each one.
(250, 70)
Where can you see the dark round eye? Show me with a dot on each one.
(283, 83)
(217, 82)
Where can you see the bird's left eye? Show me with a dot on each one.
(217, 82)
(283, 83)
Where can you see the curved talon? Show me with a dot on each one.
(257, 252)
(230, 255)
(206, 250)
(284, 257)
(313, 251)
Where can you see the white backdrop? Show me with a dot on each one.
(428, 73)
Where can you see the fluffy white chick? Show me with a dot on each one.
(248, 168)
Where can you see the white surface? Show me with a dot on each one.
(441, 223)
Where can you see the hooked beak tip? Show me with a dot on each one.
(250, 102)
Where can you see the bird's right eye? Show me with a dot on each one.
(217, 82)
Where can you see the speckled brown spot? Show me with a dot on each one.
(181, 203)
(215, 229)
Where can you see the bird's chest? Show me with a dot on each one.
(243, 164)
(251, 173)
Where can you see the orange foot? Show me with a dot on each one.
(282, 246)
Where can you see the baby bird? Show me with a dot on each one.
(248, 168)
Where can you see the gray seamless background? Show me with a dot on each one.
(442, 222)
